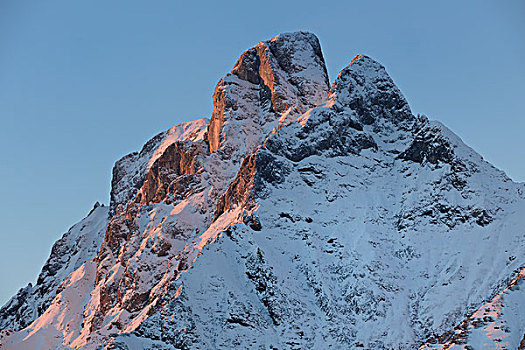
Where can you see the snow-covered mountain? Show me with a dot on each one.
(300, 216)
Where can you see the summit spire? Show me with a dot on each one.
(277, 79)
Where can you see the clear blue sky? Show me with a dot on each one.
(84, 82)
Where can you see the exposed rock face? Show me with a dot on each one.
(365, 88)
(171, 173)
(128, 174)
(299, 217)
(130, 171)
(257, 169)
(277, 80)
(492, 324)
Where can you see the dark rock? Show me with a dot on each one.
(256, 172)
(171, 172)
(423, 150)
(252, 221)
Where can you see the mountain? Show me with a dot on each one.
(300, 216)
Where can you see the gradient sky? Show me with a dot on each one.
(84, 82)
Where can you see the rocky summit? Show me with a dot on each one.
(299, 216)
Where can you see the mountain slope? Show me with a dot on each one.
(300, 216)
(497, 324)
(79, 244)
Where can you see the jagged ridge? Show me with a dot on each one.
(321, 205)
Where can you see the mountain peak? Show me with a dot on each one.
(271, 83)
(293, 36)
(366, 66)
(362, 226)
(365, 87)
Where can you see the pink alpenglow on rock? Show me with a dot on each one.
(299, 216)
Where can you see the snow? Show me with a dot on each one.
(130, 171)
(190, 131)
(78, 245)
(62, 320)
(378, 229)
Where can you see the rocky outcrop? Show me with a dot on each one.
(257, 170)
(365, 89)
(492, 325)
(129, 173)
(277, 80)
(171, 174)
